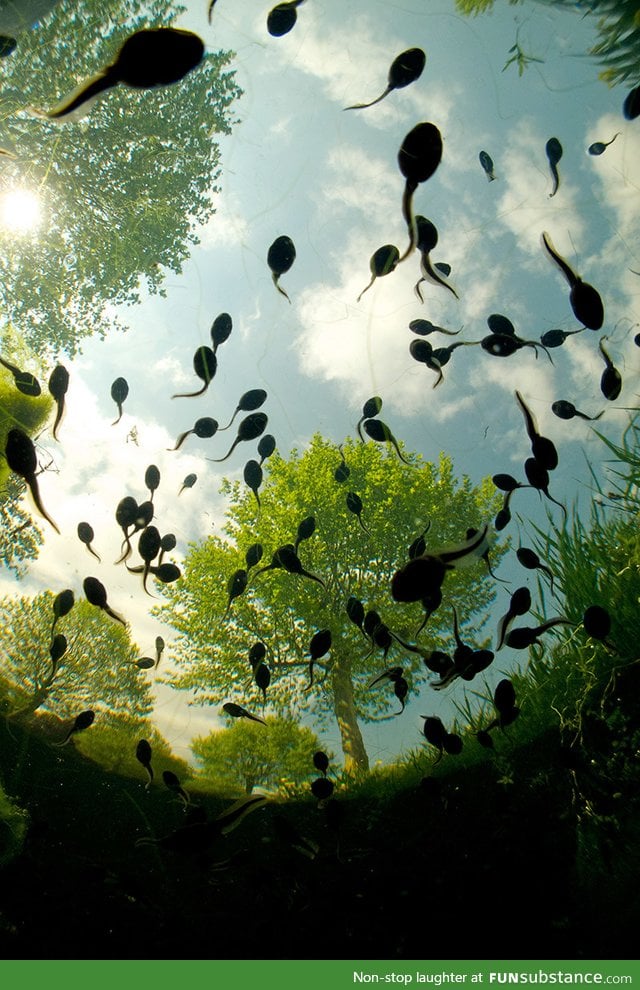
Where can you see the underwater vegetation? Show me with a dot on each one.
(427, 565)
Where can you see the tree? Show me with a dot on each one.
(142, 161)
(249, 754)
(96, 672)
(284, 610)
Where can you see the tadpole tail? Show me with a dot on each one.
(91, 87)
(437, 367)
(416, 289)
(313, 577)
(221, 429)
(556, 180)
(116, 421)
(92, 551)
(358, 425)
(529, 421)
(435, 276)
(565, 268)
(363, 106)
(275, 278)
(58, 418)
(555, 501)
(409, 217)
(181, 439)
(126, 553)
(114, 615)
(35, 492)
(399, 452)
(145, 575)
(218, 460)
(192, 395)
(592, 419)
(365, 528)
(367, 287)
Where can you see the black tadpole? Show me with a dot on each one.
(205, 365)
(82, 722)
(24, 381)
(248, 402)
(564, 409)
(422, 351)
(21, 458)
(189, 482)
(119, 392)
(236, 586)
(354, 504)
(611, 380)
(250, 429)
(599, 147)
(381, 433)
(204, 428)
(62, 605)
(143, 756)
(58, 385)
(148, 548)
(538, 477)
(290, 562)
(418, 158)
(96, 594)
(542, 448)
(405, 69)
(252, 475)
(371, 408)
(557, 337)
(319, 645)
(425, 327)
(86, 535)
(148, 58)
(306, 529)
(529, 558)
(282, 18)
(382, 262)
(280, 257)
(152, 479)
(266, 447)
(343, 471)
(221, 330)
(487, 165)
(553, 149)
(427, 239)
(584, 299)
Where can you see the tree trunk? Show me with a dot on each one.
(356, 760)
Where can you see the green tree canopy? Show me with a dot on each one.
(96, 672)
(248, 754)
(285, 610)
(143, 161)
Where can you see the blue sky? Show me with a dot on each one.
(297, 164)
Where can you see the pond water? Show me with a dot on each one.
(140, 234)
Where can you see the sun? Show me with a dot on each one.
(20, 211)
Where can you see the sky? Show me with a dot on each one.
(297, 163)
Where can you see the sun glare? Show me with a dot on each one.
(20, 211)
